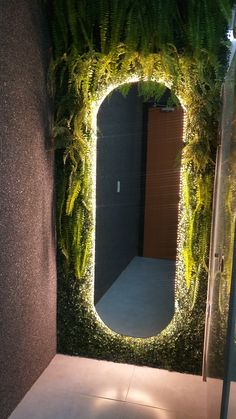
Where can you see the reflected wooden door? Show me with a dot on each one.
(164, 143)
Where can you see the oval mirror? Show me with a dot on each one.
(137, 197)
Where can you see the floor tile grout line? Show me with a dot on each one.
(151, 406)
(93, 396)
(124, 402)
(131, 378)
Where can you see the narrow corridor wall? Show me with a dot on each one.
(27, 248)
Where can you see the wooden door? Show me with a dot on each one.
(164, 143)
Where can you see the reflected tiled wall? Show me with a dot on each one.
(119, 155)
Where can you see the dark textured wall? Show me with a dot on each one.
(27, 253)
(119, 157)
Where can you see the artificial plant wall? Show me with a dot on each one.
(99, 45)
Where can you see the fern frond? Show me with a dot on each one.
(73, 192)
(59, 28)
(104, 24)
(151, 90)
(226, 8)
(72, 13)
(77, 239)
(85, 29)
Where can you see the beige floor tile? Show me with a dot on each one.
(172, 391)
(135, 411)
(86, 376)
(81, 407)
(232, 401)
(80, 388)
(85, 407)
(214, 397)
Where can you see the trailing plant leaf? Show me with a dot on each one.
(77, 243)
(151, 90)
(73, 192)
(59, 28)
(72, 13)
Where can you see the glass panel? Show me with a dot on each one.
(137, 198)
(229, 402)
(221, 252)
(230, 384)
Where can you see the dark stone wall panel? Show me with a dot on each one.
(119, 157)
(27, 248)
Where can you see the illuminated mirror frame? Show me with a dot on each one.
(96, 106)
(81, 330)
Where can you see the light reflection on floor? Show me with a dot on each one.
(81, 388)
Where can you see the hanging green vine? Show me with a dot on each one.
(100, 45)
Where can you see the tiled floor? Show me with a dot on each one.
(140, 303)
(214, 399)
(232, 401)
(81, 388)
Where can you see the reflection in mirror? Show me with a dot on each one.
(137, 197)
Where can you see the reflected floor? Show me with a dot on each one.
(140, 302)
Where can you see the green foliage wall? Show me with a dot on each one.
(104, 43)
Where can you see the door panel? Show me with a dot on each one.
(164, 143)
(221, 258)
